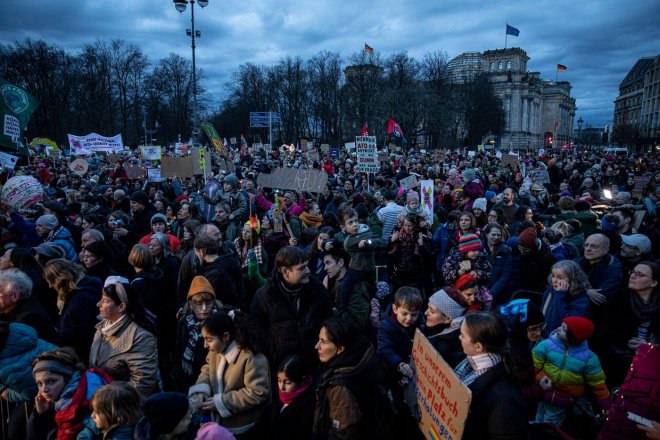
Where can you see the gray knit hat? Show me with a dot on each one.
(446, 305)
(158, 218)
(48, 221)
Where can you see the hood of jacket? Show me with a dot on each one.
(358, 362)
(22, 338)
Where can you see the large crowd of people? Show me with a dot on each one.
(148, 310)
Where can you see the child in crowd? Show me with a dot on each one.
(477, 297)
(563, 365)
(355, 239)
(469, 259)
(379, 302)
(166, 415)
(116, 410)
(396, 333)
(292, 416)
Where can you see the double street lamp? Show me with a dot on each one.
(180, 6)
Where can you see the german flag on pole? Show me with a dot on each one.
(561, 68)
(368, 49)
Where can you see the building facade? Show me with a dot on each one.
(539, 114)
(637, 108)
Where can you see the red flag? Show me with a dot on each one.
(368, 49)
(365, 132)
(394, 129)
(561, 68)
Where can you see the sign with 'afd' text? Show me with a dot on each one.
(367, 156)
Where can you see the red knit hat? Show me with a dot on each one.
(580, 328)
(527, 238)
(469, 242)
(464, 280)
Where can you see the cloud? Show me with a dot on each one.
(598, 41)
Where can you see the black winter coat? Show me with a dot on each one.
(28, 311)
(497, 410)
(292, 322)
(295, 421)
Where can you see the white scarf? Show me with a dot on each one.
(110, 327)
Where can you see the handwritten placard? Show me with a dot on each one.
(176, 167)
(367, 155)
(295, 179)
(510, 159)
(442, 399)
(408, 182)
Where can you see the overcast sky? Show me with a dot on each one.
(598, 41)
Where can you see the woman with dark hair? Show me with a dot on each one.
(124, 341)
(522, 215)
(97, 259)
(312, 216)
(350, 374)
(497, 409)
(316, 266)
(77, 295)
(635, 319)
(496, 215)
(234, 385)
(188, 238)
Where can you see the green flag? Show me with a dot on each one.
(16, 108)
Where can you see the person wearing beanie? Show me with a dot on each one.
(50, 230)
(213, 431)
(564, 367)
(531, 262)
(479, 208)
(473, 187)
(165, 414)
(588, 219)
(467, 257)
(444, 316)
(159, 225)
(413, 206)
(476, 297)
(190, 353)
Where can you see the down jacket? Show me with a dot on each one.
(127, 353)
(16, 358)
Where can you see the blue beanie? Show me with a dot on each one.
(489, 195)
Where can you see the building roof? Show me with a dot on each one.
(638, 71)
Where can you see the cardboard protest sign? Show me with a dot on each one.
(295, 179)
(641, 182)
(367, 156)
(408, 182)
(176, 167)
(232, 141)
(134, 171)
(150, 153)
(510, 159)
(200, 160)
(442, 399)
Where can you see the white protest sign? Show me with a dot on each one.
(367, 156)
(349, 145)
(7, 160)
(427, 196)
(408, 182)
(153, 175)
(95, 142)
(12, 127)
(151, 153)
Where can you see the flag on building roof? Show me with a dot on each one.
(510, 30)
(365, 132)
(368, 49)
(561, 68)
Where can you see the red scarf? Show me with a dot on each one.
(287, 398)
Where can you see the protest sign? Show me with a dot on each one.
(232, 141)
(153, 175)
(199, 160)
(427, 196)
(510, 159)
(641, 182)
(540, 176)
(313, 155)
(349, 145)
(408, 182)
(150, 153)
(442, 399)
(176, 167)
(95, 142)
(334, 153)
(367, 156)
(21, 192)
(209, 129)
(79, 166)
(295, 179)
(7, 160)
(134, 171)
(325, 148)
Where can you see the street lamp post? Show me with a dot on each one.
(579, 122)
(180, 6)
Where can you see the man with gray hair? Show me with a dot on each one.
(18, 305)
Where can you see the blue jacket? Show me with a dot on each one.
(16, 358)
(499, 277)
(557, 305)
(606, 275)
(443, 241)
(395, 342)
(62, 237)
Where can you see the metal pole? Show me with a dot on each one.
(194, 73)
(270, 129)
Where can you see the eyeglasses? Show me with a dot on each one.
(638, 274)
(536, 328)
